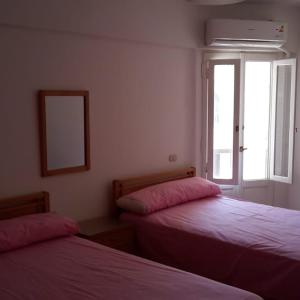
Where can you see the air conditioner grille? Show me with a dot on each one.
(245, 43)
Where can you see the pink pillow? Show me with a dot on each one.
(25, 230)
(168, 194)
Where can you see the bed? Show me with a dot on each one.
(41, 258)
(251, 246)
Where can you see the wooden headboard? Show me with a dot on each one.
(126, 186)
(24, 205)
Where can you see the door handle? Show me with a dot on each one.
(242, 148)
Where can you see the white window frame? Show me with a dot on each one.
(235, 125)
(255, 57)
(283, 62)
(207, 146)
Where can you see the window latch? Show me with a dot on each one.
(242, 148)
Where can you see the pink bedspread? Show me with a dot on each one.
(251, 246)
(73, 268)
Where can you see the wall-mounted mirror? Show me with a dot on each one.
(64, 131)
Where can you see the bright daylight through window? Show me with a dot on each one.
(256, 119)
(250, 119)
(223, 124)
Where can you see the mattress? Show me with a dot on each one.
(251, 246)
(74, 268)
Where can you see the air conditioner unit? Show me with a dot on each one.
(245, 33)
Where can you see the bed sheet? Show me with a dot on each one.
(74, 268)
(251, 246)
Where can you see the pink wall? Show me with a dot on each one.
(141, 110)
(138, 60)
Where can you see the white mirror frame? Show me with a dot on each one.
(284, 62)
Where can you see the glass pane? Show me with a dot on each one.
(65, 131)
(256, 120)
(223, 121)
(282, 120)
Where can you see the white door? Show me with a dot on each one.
(223, 107)
(255, 136)
(238, 91)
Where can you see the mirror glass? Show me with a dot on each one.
(64, 131)
(282, 120)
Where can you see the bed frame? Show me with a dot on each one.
(24, 205)
(126, 186)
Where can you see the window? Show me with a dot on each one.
(282, 124)
(256, 119)
(223, 106)
(250, 120)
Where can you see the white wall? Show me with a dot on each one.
(141, 93)
(167, 22)
(137, 59)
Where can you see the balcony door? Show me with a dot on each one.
(249, 135)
